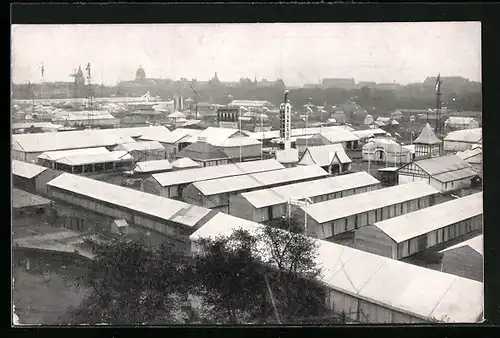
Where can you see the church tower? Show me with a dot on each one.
(140, 74)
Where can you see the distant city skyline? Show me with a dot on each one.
(297, 53)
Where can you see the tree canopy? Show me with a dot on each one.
(263, 277)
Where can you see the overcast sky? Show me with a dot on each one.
(298, 53)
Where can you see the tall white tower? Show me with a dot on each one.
(287, 156)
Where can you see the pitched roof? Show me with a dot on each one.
(446, 168)
(474, 135)
(112, 156)
(323, 155)
(473, 156)
(214, 135)
(55, 155)
(366, 133)
(460, 120)
(427, 136)
(392, 284)
(415, 224)
(273, 196)
(140, 146)
(475, 243)
(226, 170)
(339, 134)
(42, 142)
(185, 163)
(202, 151)
(442, 164)
(355, 204)
(131, 199)
(26, 170)
(151, 166)
(22, 199)
(259, 180)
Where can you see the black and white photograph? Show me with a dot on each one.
(247, 173)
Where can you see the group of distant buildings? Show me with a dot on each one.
(452, 83)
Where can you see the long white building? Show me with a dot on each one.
(330, 218)
(376, 289)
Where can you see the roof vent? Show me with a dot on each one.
(202, 139)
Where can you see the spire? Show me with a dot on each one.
(427, 136)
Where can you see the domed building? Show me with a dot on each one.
(140, 75)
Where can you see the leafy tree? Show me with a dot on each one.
(293, 274)
(132, 284)
(239, 276)
(228, 280)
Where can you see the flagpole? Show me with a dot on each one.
(262, 139)
(239, 119)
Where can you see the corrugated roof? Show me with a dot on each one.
(131, 199)
(390, 283)
(427, 136)
(22, 199)
(56, 155)
(207, 173)
(323, 155)
(262, 179)
(151, 166)
(26, 170)
(467, 135)
(42, 142)
(442, 164)
(140, 146)
(423, 221)
(352, 205)
(112, 156)
(273, 196)
(185, 163)
(475, 243)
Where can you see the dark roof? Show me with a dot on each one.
(427, 136)
(201, 151)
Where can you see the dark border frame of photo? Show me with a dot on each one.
(275, 12)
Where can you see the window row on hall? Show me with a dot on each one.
(160, 227)
(363, 219)
(365, 312)
(90, 205)
(438, 236)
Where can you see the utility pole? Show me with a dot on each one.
(438, 113)
(195, 100)
(89, 79)
(41, 88)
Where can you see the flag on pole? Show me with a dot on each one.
(438, 82)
